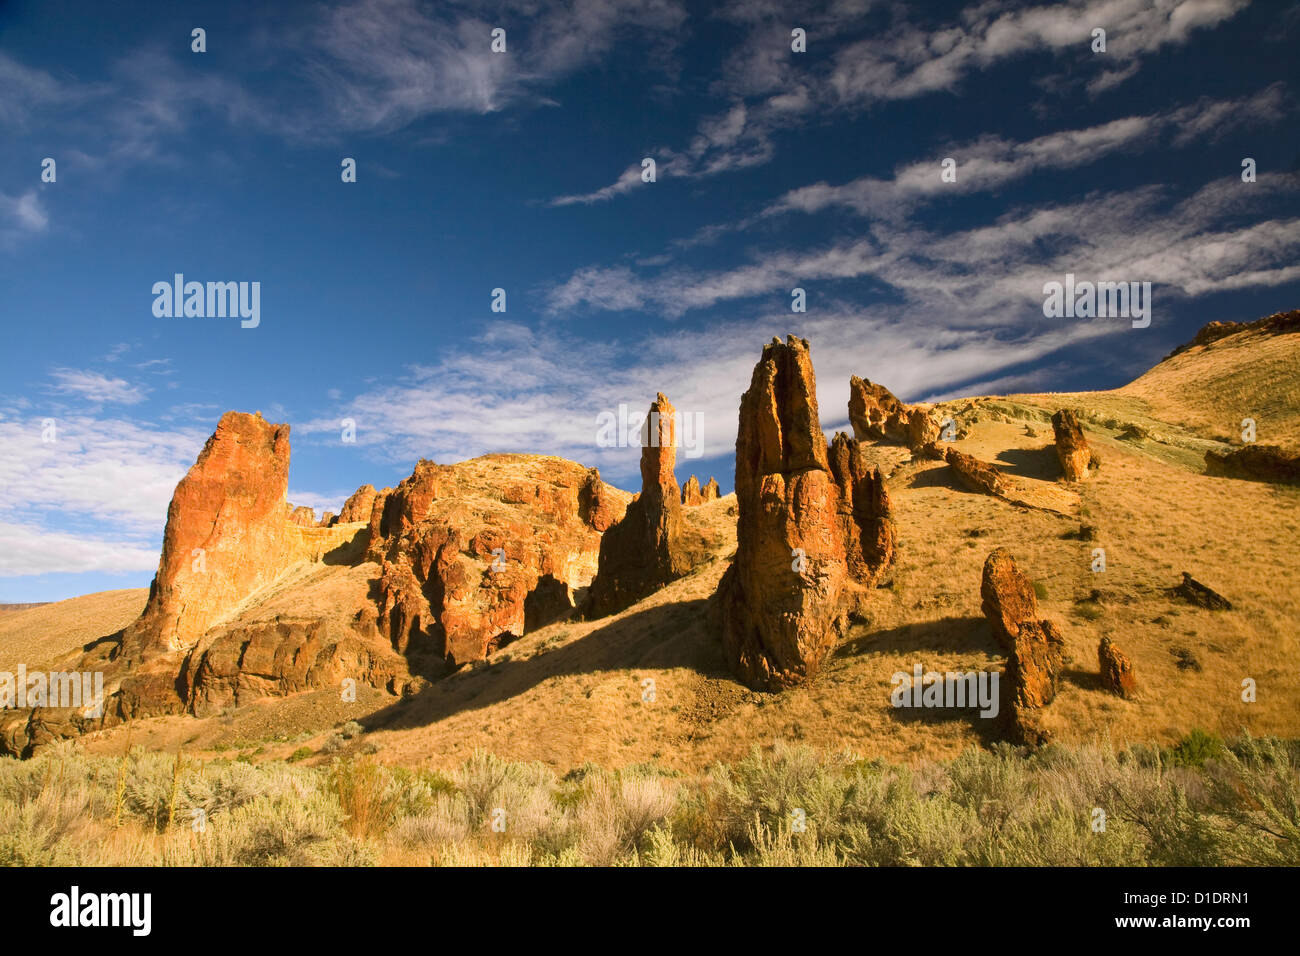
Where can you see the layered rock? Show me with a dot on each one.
(327, 520)
(359, 505)
(877, 415)
(1116, 669)
(1072, 448)
(1035, 647)
(812, 532)
(648, 548)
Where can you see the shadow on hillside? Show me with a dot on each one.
(940, 476)
(989, 729)
(660, 637)
(1087, 680)
(942, 636)
(946, 634)
(1040, 463)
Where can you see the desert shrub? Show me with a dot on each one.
(366, 795)
(1201, 802)
(302, 753)
(1196, 748)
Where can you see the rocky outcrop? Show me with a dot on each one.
(1194, 592)
(1035, 647)
(303, 516)
(976, 475)
(597, 505)
(359, 505)
(1116, 669)
(464, 550)
(226, 535)
(272, 658)
(877, 415)
(1071, 446)
(693, 494)
(649, 547)
(812, 528)
(864, 511)
(1253, 462)
(327, 520)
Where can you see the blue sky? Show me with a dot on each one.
(522, 171)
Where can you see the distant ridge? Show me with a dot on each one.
(1275, 324)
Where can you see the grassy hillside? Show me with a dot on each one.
(575, 693)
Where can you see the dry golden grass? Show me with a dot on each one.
(40, 635)
(1211, 388)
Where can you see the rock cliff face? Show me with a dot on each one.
(812, 532)
(649, 546)
(303, 516)
(226, 535)
(473, 554)
(358, 507)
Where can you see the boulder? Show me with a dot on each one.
(1116, 669)
(1194, 592)
(810, 534)
(1071, 446)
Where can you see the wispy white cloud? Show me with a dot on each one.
(35, 549)
(96, 387)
